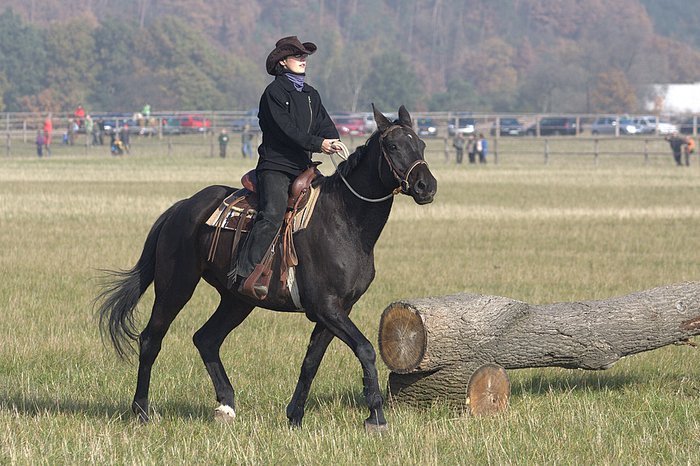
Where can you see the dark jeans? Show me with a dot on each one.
(677, 157)
(273, 188)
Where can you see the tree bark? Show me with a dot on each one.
(433, 345)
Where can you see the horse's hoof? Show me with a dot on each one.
(374, 428)
(295, 424)
(225, 414)
(141, 414)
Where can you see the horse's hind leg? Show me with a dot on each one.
(320, 339)
(171, 295)
(208, 340)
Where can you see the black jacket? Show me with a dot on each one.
(294, 124)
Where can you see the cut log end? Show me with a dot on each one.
(488, 391)
(402, 338)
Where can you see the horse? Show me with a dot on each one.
(335, 267)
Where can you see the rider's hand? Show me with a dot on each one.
(328, 146)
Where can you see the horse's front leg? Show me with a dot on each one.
(320, 339)
(342, 327)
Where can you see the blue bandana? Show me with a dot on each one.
(297, 80)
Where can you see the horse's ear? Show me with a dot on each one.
(405, 117)
(382, 121)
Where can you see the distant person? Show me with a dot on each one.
(471, 148)
(458, 144)
(98, 132)
(115, 145)
(48, 132)
(223, 142)
(89, 128)
(72, 130)
(482, 148)
(676, 142)
(146, 111)
(40, 141)
(125, 137)
(79, 115)
(689, 149)
(247, 142)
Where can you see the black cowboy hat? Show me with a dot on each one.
(285, 47)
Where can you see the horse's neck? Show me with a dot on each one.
(368, 217)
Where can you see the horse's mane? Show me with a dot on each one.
(347, 166)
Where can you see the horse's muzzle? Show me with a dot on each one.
(424, 187)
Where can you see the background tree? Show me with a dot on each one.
(460, 95)
(501, 55)
(71, 76)
(390, 83)
(613, 93)
(118, 44)
(23, 60)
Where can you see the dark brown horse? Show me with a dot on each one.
(336, 266)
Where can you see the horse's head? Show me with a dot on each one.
(403, 151)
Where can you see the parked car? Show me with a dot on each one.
(508, 127)
(194, 124)
(555, 126)
(686, 125)
(461, 125)
(649, 124)
(426, 127)
(608, 125)
(171, 126)
(350, 125)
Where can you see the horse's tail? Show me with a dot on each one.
(122, 290)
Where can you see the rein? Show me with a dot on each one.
(403, 186)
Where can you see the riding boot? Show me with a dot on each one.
(273, 188)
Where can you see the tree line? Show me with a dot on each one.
(438, 55)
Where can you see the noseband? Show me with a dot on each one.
(403, 186)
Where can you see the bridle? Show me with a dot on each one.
(403, 187)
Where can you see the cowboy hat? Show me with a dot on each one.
(285, 47)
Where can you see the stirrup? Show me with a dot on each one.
(253, 290)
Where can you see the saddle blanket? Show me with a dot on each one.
(239, 207)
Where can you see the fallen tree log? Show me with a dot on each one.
(433, 345)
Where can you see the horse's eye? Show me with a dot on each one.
(393, 146)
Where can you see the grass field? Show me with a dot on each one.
(570, 230)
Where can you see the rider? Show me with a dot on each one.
(294, 125)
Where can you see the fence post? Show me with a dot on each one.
(446, 150)
(546, 151)
(646, 152)
(496, 134)
(7, 128)
(495, 149)
(595, 151)
(170, 147)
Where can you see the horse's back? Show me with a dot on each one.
(185, 217)
(201, 204)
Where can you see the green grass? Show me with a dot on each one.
(570, 230)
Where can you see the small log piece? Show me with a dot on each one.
(433, 345)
